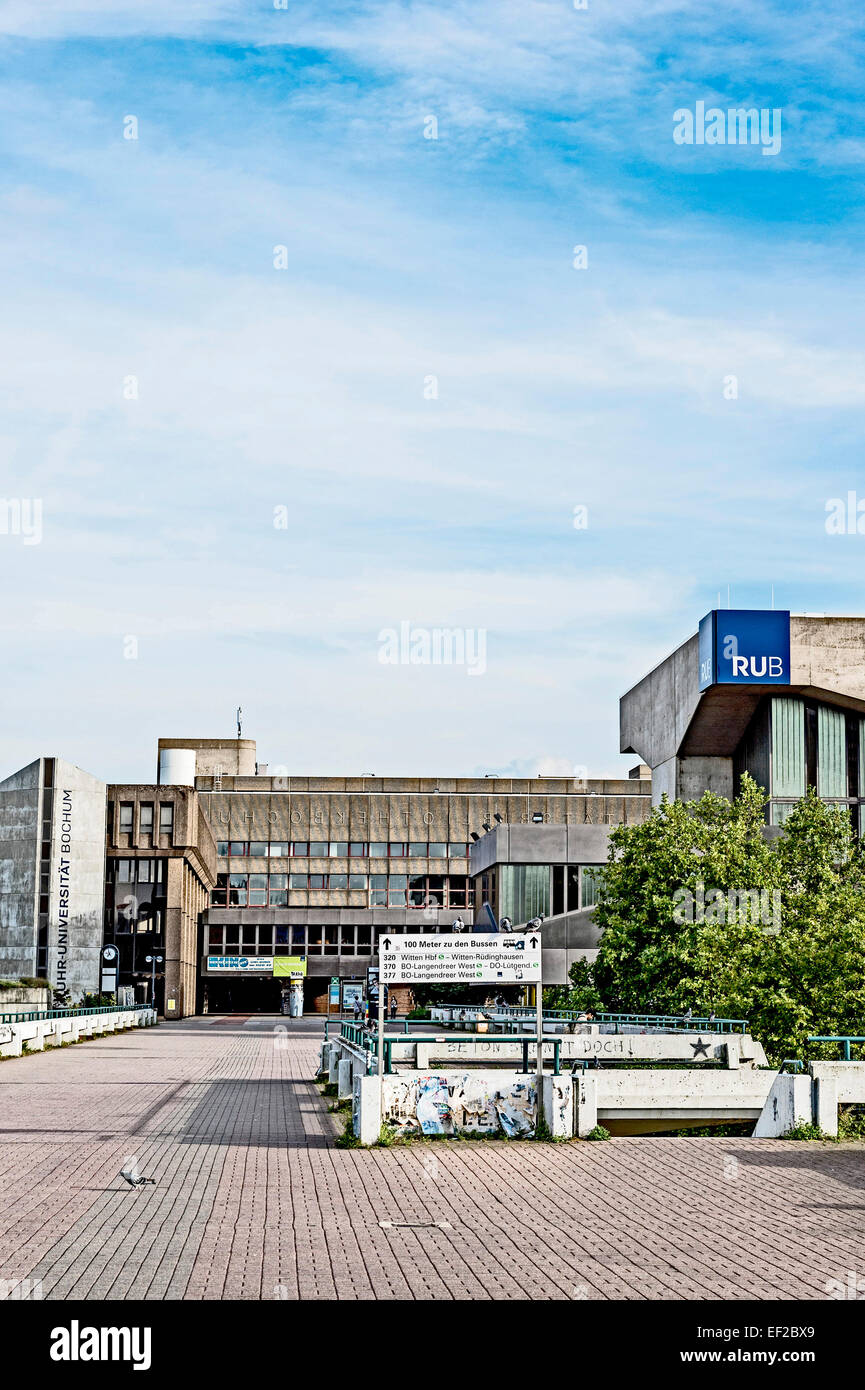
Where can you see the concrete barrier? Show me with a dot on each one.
(35, 1035)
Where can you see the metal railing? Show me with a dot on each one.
(41, 1015)
(845, 1039)
(367, 1040)
(668, 1023)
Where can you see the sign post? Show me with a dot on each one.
(474, 959)
(539, 1020)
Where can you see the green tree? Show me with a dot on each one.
(700, 909)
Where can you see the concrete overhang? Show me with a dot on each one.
(540, 844)
(665, 715)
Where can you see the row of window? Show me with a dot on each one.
(253, 940)
(136, 870)
(341, 849)
(384, 890)
(146, 813)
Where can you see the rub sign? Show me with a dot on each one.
(743, 646)
(476, 958)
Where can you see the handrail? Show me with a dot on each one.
(41, 1015)
(844, 1038)
(673, 1022)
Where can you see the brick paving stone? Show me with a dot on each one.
(253, 1201)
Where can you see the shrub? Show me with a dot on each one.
(806, 1130)
(599, 1132)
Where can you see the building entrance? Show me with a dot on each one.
(242, 994)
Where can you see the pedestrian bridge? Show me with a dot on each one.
(631, 1082)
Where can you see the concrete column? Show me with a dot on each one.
(787, 1104)
(559, 1105)
(825, 1100)
(585, 1103)
(343, 1082)
(366, 1108)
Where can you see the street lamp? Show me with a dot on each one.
(153, 961)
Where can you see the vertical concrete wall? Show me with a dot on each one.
(19, 868)
(77, 880)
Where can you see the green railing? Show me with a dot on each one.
(40, 1015)
(367, 1041)
(845, 1039)
(668, 1023)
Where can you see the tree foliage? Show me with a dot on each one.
(798, 969)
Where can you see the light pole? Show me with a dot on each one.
(153, 961)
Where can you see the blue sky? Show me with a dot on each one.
(410, 257)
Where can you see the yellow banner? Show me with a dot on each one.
(289, 965)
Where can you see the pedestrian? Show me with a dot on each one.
(393, 1007)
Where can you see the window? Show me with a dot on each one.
(145, 870)
(279, 849)
(125, 871)
(357, 849)
(590, 880)
(145, 818)
(237, 890)
(222, 848)
(398, 849)
(339, 881)
(318, 881)
(338, 849)
(396, 890)
(438, 851)
(258, 849)
(378, 890)
(357, 880)
(219, 896)
(458, 851)
(126, 817)
(299, 849)
(166, 818)
(297, 880)
(418, 849)
(238, 848)
(258, 890)
(277, 887)
(378, 850)
(318, 849)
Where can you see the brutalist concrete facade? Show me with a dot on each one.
(689, 738)
(52, 874)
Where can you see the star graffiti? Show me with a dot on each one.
(700, 1048)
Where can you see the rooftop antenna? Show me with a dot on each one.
(239, 716)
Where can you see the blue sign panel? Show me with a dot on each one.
(744, 646)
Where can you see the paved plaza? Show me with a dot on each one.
(253, 1201)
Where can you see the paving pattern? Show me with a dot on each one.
(253, 1201)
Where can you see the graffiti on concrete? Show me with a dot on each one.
(471, 1103)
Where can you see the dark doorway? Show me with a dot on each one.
(243, 994)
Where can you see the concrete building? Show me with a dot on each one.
(160, 870)
(52, 875)
(776, 695)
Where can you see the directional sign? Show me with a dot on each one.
(477, 958)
